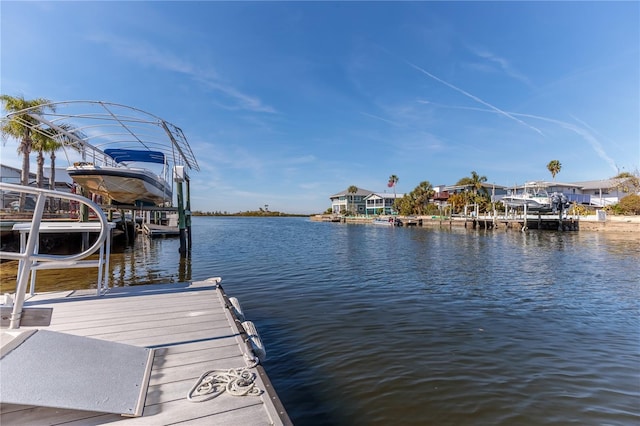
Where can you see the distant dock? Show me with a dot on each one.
(160, 231)
(519, 222)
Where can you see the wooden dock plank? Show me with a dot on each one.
(30, 415)
(97, 320)
(196, 357)
(192, 333)
(105, 328)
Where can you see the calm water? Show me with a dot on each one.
(369, 325)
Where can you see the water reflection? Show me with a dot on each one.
(146, 261)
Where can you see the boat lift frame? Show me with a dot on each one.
(84, 128)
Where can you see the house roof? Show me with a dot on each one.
(384, 195)
(4, 167)
(363, 192)
(602, 183)
(454, 187)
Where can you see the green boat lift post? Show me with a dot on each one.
(184, 216)
(188, 215)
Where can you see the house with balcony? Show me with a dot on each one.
(381, 203)
(443, 192)
(345, 201)
(595, 193)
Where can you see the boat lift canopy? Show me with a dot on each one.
(95, 130)
(124, 155)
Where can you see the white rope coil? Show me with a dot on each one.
(236, 382)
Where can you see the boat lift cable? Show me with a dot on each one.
(61, 130)
(192, 164)
(126, 127)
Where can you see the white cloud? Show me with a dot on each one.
(149, 55)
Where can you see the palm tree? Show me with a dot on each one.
(554, 167)
(475, 182)
(50, 140)
(44, 142)
(393, 180)
(421, 195)
(352, 190)
(18, 127)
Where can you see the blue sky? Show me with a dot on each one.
(286, 103)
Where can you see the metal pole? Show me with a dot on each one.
(84, 217)
(25, 265)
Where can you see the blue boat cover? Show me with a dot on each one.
(120, 155)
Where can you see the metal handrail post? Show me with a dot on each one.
(27, 262)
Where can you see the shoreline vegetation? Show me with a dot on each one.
(617, 223)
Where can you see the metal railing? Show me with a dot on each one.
(29, 258)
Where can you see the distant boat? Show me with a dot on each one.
(381, 221)
(122, 184)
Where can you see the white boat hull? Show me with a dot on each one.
(384, 222)
(122, 185)
(532, 203)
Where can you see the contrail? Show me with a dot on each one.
(584, 133)
(477, 99)
(380, 118)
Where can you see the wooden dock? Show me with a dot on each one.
(520, 224)
(160, 231)
(189, 329)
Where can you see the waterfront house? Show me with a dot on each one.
(381, 203)
(595, 193)
(344, 201)
(606, 192)
(443, 192)
(10, 174)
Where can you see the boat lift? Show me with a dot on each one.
(86, 130)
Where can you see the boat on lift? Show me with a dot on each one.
(121, 183)
(534, 197)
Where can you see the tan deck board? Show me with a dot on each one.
(134, 310)
(47, 416)
(120, 321)
(192, 333)
(195, 357)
